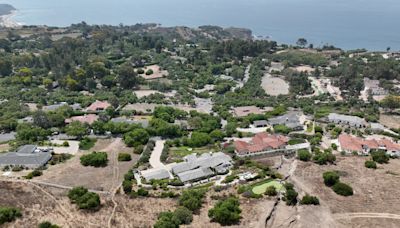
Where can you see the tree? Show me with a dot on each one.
(167, 220)
(302, 42)
(226, 212)
(304, 155)
(127, 186)
(96, 159)
(77, 129)
(9, 214)
(199, 139)
(136, 137)
(370, 164)
(330, 178)
(391, 102)
(309, 200)
(127, 77)
(290, 196)
(342, 189)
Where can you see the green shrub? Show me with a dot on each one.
(142, 192)
(304, 155)
(370, 164)
(96, 159)
(342, 189)
(9, 214)
(138, 149)
(309, 200)
(34, 173)
(140, 71)
(84, 199)
(149, 72)
(226, 212)
(124, 157)
(127, 186)
(65, 144)
(271, 191)
(192, 199)
(380, 157)
(282, 129)
(330, 178)
(47, 225)
(184, 215)
(87, 143)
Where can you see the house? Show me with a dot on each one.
(290, 120)
(374, 88)
(351, 144)
(261, 143)
(352, 121)
(98, 106)
(260, 123)
(247, 110)
(196, 168)
(54, 107)
(155, 174)
(89, 119)
(28, 156)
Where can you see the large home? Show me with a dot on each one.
(28, 156)
(261, 143)
(98, 106)
(247, 110)
(155, 174)
(352, 121)
(290, 120)
(373, 87)
(89, 119)
(196, 168)
(351, 144)
(143, 122)
(50, 108)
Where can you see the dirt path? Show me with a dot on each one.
(366, 215)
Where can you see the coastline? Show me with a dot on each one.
(8, 20)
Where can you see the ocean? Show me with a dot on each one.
(348, 24)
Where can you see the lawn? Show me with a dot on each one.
(260, 188)
(183, 151)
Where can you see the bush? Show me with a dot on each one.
(192, 199)
(304, 155)
(86, 143)
(96, 159)
(226, 212)
(65, 144)
(290, 197)
(9, 214)
(149, 72)
(136, 137)
(380, 157)
(140, 71)
(167, 220)
(322, 158)
(330, 178)
(34, 173)
(124, 157)
(271, 191)
(342, 189)
(47, 225)
(142, 192)
(282, 129)
(127, 186)
(370, 164)
(138, 149)
(334, 146)
(184, 215)
(84, 199)
(309, 200)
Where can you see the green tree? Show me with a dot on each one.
(330, 178)
(127, 77)
(304, 155)
(136, 137)
(271, 191)
(124, 157)
(77, 129)
(302, 42)
(96, 159)
(191, 199)
(199, 139)
(47, 225)
(380, 157)
(84, 199)
(184, 215)
(309, 200)
(226, 212)
(370, 164)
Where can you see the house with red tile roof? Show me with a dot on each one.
(350, 144)
(261, 143)
(89, 119)
(98, 106)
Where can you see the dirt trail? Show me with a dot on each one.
(366, 215)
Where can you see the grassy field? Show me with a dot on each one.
(260, 188)
(182, 151)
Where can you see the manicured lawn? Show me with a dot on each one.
(260, 188)
(183, 151)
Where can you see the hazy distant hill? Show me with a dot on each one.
(6, 9)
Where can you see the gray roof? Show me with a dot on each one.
(54, 107)
(153, 174)
(345, 118)
(260, 122)
(290, 119)
(7, 137)
(26, 156)
(195, 174)
(205, 160)
(27, 149)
